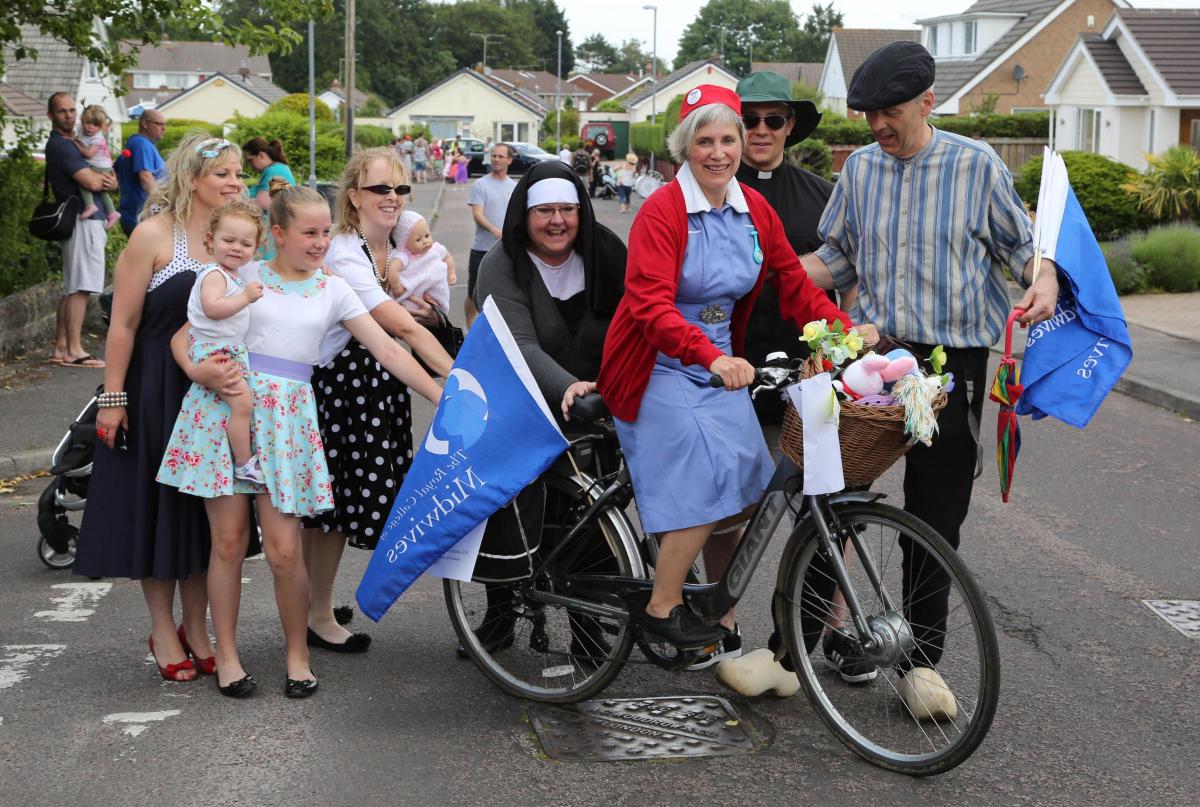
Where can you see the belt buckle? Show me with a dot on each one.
(713, 313)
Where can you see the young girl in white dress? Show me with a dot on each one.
(299, 306)
(218, 311)
(423, 268)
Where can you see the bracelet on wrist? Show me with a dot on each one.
(112, 400)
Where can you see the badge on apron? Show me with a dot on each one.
(758, 253)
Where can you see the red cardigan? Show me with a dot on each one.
(647, 320)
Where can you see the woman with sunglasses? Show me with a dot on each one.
(364, 411)
(700, 250)
(134, 527)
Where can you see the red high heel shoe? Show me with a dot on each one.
(208, 666)
(181, 672)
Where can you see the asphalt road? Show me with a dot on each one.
(1099, 697)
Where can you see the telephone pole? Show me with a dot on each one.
(486, 38)
(349, 88)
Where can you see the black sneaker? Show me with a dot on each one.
(681, 628)
(729, 647)
(844, 655)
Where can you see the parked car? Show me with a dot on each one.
(528, 154)
(603, 136)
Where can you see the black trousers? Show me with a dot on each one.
(938, 480)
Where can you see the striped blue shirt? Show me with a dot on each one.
(927, 240)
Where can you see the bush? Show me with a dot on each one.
(648, 138)
(297, 103)
(838, 131)
(1128, 277)
(551, 145)
(24, 261)
(609, 105)
(177, 129)
(570, 122)
(1097, 182)
(417, 130)
(371, 136)
(1171, 257)
(671, 116)
(813, 154)
(982, 127)
(292, 130)
(1170, 188)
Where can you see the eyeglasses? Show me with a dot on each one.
(212, 147)
(774, 122)
(548, 211)
(384, 190)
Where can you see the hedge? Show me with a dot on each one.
(1170, 257)
(646, 138)
(839, 131)
(1097, 182)
(24, 261)
(177, 129)
(813, 154)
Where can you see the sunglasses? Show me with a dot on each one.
(384, 190)
(774, 122)
(212, 148)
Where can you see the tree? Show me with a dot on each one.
(546, 18)
(818, 26)
(597, 54)
(138, 23)
(632, 57)
(455, 23)
(769, 27)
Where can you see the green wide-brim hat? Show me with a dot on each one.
(772, 88)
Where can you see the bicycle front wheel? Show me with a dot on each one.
(924, 610)
(542, 652)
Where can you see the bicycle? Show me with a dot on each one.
(570, 625)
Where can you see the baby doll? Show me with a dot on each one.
(422, 267)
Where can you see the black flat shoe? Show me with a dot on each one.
(300, 689)
(240, 688)
(343, 615)
(681, 628)
(357, 643)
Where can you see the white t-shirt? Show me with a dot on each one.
(293, 318)
(230, 331)
(565, 155)
(347, 260)
(563, 281)
(493, 195)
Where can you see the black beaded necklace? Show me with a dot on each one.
(381, 279)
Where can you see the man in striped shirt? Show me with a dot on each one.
(926, 224)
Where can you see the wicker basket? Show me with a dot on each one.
(872, 437)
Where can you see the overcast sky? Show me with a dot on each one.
(626, 19)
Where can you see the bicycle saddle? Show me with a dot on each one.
(589, 408)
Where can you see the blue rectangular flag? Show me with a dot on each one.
(1073, 359)
(491, 436)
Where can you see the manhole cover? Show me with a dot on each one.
(1182, 615)
(645, 728)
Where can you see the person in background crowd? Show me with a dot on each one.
(93, 144)
(594, 172)
(700, 249)
(626, 176)
(488, 202)
(140, 167)
(421, 160)
(581, 161)
(488, 145)
(364, 410)
(406, 153)
(67, 171)
(132, 526)
(564, 154)
(270, 163)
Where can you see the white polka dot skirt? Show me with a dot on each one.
(366, 425)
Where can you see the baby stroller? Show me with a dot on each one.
(70, 469)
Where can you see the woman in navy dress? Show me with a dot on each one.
(134, 527)
(699, 252)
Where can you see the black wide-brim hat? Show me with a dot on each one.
(771, 88)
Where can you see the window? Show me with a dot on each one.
(1087, 130)
(933, 40)
(1150, 134)
(523, 132)
(1019, 109)
(92, 71)
(508, 132)
(969, 36)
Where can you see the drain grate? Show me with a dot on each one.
(645, 728)
(1182, 615)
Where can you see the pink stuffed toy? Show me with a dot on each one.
(868, 375)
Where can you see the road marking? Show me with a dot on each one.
(134, 723)
(72, 605)
(16, 659)
(1182, 615)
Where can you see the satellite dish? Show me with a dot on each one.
(1018, 72)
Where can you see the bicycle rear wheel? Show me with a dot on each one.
(544, 652)
(916, 569)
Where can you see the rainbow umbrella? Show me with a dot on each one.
(1006, 389)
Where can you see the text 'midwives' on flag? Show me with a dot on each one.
(491, 436)
(1073, 359)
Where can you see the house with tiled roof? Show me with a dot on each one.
(56, 68)
(469, 104)
(641, 103)
(807, 72)
(1002, 53)
(539, 85)
(21, 113)
(219, 97)
(171, 66)
(848, 48)
(606, 86)
(1132, 88)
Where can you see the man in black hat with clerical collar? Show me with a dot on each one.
(925, 224)
(775, 123)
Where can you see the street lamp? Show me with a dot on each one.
(558, 96)
(653, 73)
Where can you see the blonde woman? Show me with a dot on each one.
(364, 411)
(134, 527)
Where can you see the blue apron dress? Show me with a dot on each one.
(696, 454)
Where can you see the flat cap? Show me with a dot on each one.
(897, 72)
